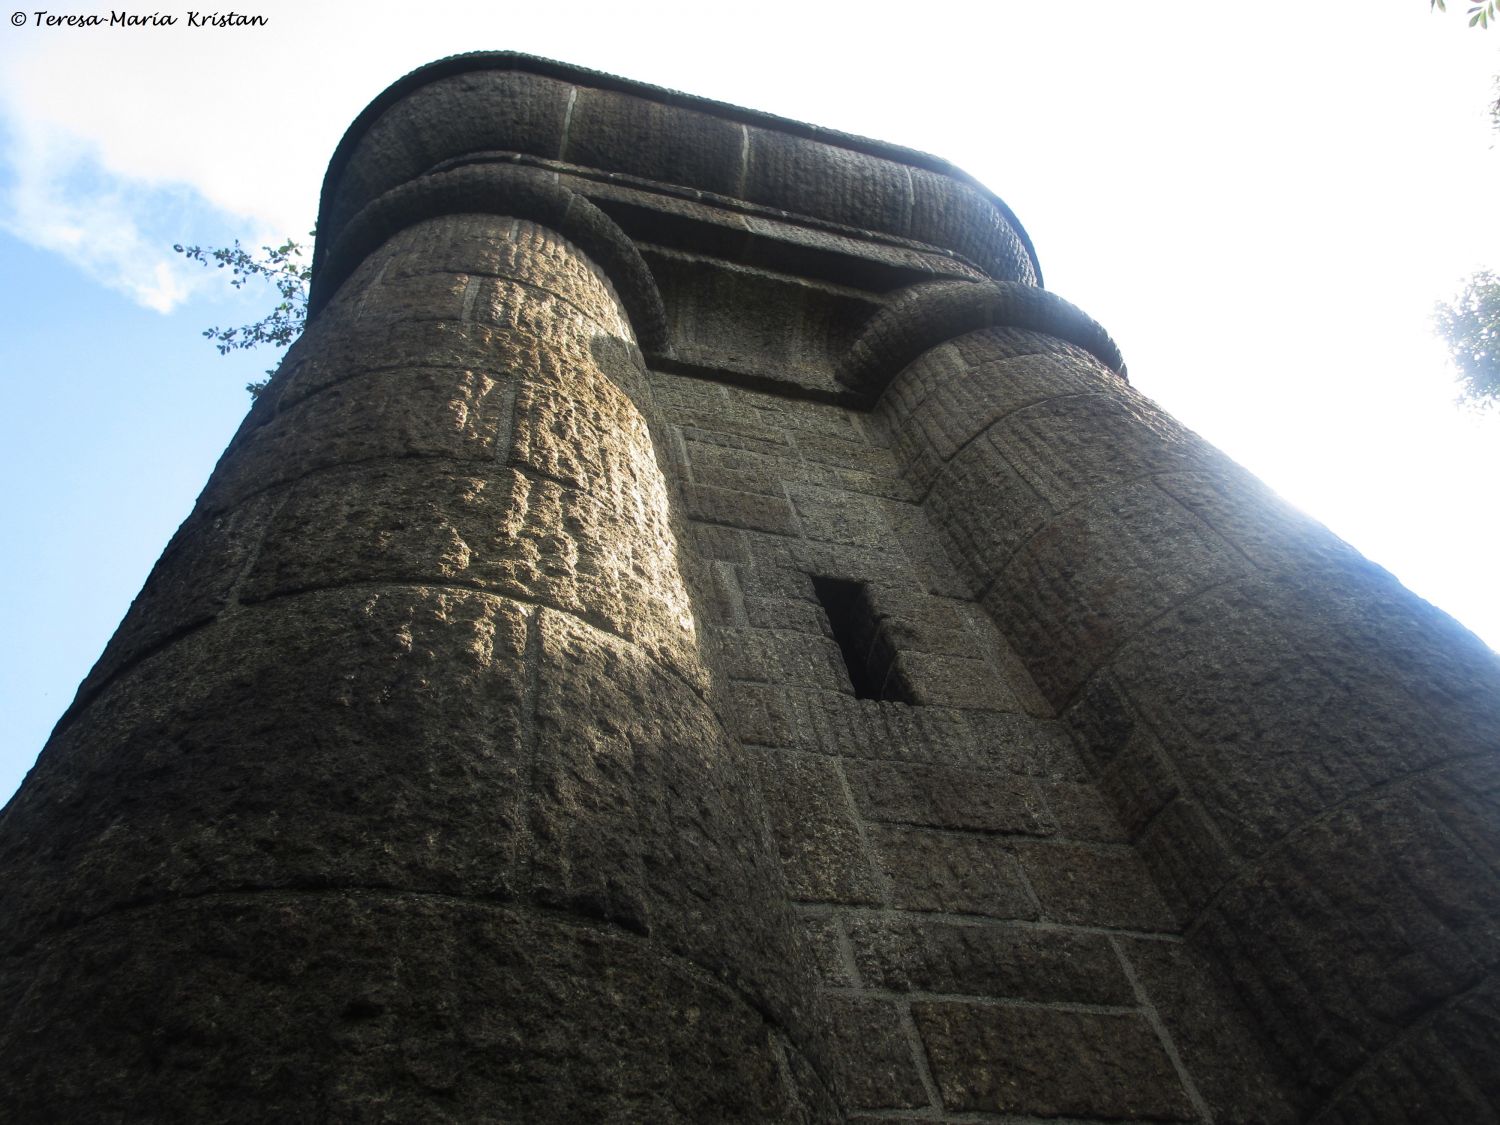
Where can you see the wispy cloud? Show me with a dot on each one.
(107, 166)
(60, 198)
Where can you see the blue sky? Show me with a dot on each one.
(1260, 202)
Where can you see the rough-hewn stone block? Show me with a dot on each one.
(944, 797)
(1094, 885)
(260, 751)
(952, 872)
(732, 508)
(1048, 1063)
(1045, 965)
(878, 1069)
(822, 855)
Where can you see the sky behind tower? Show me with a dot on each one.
(1261, 203)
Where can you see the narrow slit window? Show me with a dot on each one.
(869, 657)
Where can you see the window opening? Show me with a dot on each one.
(869, 656)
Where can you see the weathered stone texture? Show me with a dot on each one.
(1044, 965)
(822, 855)
(259, 751)
(377, 1006)
(1056, 1063)
(953, 873)
(880, 1071)
(942, 797)
(694, 633)
(1274, 719)
(952, 843)
(1239, 1077)
(442, 655)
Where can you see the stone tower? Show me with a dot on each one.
(695, 633)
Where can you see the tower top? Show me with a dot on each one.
(504, 107)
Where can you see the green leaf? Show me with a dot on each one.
(284, 269)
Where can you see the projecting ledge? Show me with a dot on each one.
(501, 102)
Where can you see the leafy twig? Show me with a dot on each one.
(285, 268)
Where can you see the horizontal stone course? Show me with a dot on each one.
(982, 537)
(967, 682)
(723, 544)
(944, 797)
(733, 508)
(452, 414)
(1316, 738)
(1043, 965)
(787, 615)
(1429, 940)
(952, 872)
(504, 531)
(1000, 1059)
(838, 516)
(231, 751)
(1240, 1080)
(728, 467)
(1081, 812)
(193, 581)
(429, 123)
(779, 657)
(567, 114)
(652, 140)
(1095, 885)
(1025, 745)
(1080, 588)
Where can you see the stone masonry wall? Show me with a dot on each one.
(987, 939)
(1303, 753)
(398, 796)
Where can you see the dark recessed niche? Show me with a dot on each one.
(869, 656)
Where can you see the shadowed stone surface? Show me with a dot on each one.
(1022, 963)
(369, 1007)
(694, 633)
(1076, 1064)
(1289, 737)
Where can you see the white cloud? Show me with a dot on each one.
(59, 199)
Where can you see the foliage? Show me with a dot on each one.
(1471, 327)
(1480, 14)
(285, 268)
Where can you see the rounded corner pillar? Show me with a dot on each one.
(514, 192)
(399, 793)
(921, 317)
(1306, 754)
